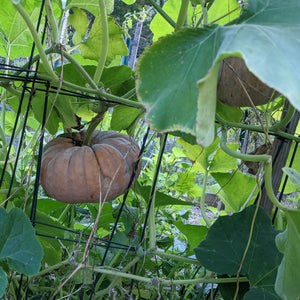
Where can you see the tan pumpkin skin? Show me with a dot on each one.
(72, 173)
(231, 91)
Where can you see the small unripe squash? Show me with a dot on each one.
(74, 173)
(230, 89)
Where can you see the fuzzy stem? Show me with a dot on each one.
(182, 14)
(286, 135)
(79, 68)
(54, 36)
(93, 125)
(286, 119)
(105, 42)
(174, 257)
(37, 41)
(245, 157)
(202, 201)
(99, 93)
(162, 13)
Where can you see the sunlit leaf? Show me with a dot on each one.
(169, 70)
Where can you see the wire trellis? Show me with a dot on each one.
(29, 81)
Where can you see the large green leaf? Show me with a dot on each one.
(160, 27)
(223, 249)
(194, 234)
(170, 69)
(234, 189)
(18, 243)
(17, 41)
(90, 5)
(91, 48)
(3, 282)
(288, 242)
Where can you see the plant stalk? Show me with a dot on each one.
(54, 36)
(92, 126)
(37, 41)
(162, 13)
(202, 201)
(105, 42)
(182, 16)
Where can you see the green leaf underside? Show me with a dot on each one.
(169, 70)
(225, 243)
(288, 276)
(18, 243)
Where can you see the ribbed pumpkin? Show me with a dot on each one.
(230, 89)
(73, 173)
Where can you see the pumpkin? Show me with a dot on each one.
(230, 89)
(75, 173)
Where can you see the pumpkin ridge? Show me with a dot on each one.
(99, 176)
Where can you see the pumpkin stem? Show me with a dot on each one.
(93, 125)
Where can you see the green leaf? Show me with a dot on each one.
(160, 27)
(222, 162)
(3, 282)
(129, 2)
(18, 40)
(91, 48)
(198, 153)
(223, 249)
(123, 117)
(194, 233)
(260, 293)
(169, 70)
(229, 113)
(18, 243)
(220, 8)
(293, 175)
(90, 5)
(288, 276)
(79, 20)
(235, 189)
(161, 199)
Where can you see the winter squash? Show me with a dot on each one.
(233, 71)
(75, 173)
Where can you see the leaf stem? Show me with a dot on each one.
(92, 126)
(289, 114)
(162, 13)
(269, 186)
(174, 257)
(78, 67)
(105, 42)
(202, 200)
(99, 93)
(37, 41)
(52, 23)
(286, 135)
(182, 16)
(245, 157)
